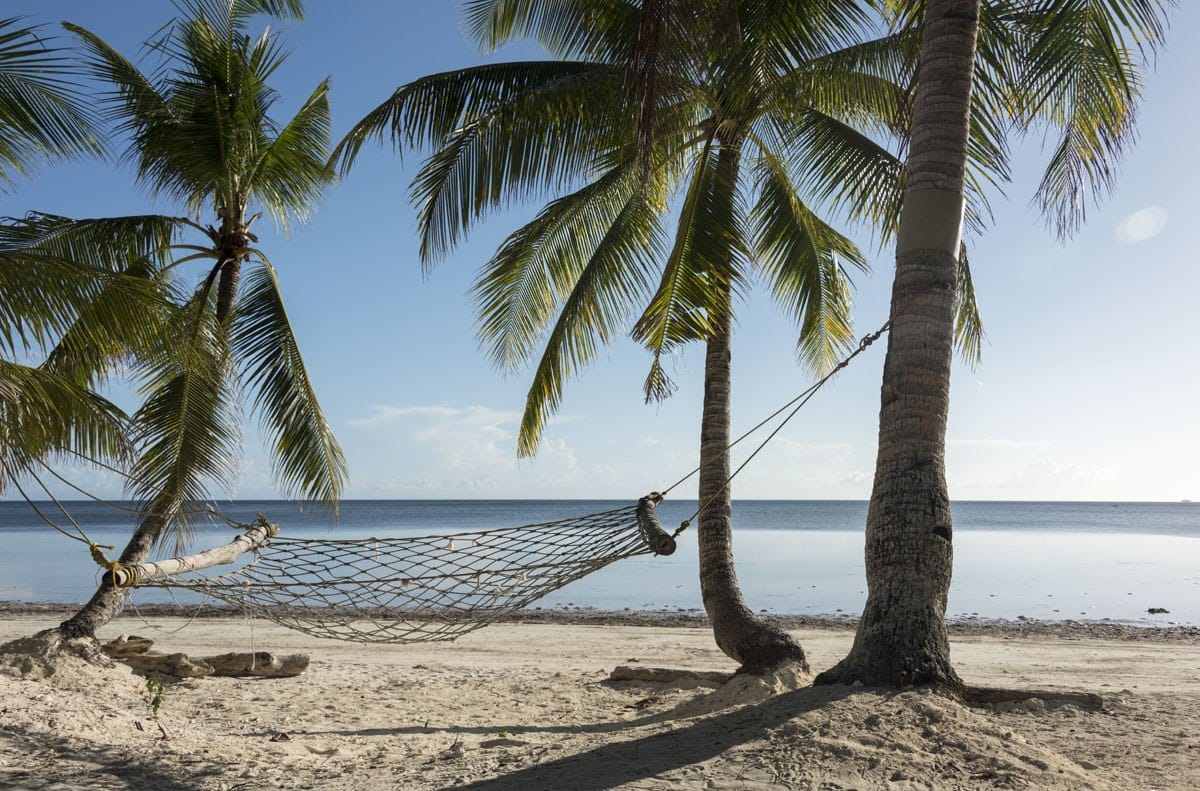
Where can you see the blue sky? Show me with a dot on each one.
(1087, 390)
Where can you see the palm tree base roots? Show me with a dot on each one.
(891, 671)
(106, 603)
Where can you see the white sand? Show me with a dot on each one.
(529, 707)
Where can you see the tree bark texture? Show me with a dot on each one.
(741, 635)
(901, 638)
(227, 287)
(109, 599)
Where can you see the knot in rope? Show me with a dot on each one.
(270, 527)
(684, 525)
(97, 551)
(113, 568)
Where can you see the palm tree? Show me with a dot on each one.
(752, 113)
(1066, 65)
(201, 133)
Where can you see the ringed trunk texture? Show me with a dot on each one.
(109, 600)
(227, 286)
(901, 639)
(740, 634)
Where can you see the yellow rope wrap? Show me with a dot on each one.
(113, 567)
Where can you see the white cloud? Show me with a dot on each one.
(995, 442)
(382, 414)
(455, 451)
(1143, 224)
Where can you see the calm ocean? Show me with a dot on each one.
(1047, 561)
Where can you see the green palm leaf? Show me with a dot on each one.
(54, 270)
(291, 172)
(703, 264)
(614, 280)
(491, 158)
(518, 290)
(431, 108)
(600, 30)
(308, 460)
(802, 260)
(42, 111)
(186, 430)
(45, 415)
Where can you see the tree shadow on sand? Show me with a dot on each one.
(59, 762)
(613, 764)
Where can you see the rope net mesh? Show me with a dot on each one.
(426, 588)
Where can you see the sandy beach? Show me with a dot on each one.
(531, 706)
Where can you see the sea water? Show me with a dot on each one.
(1041, 560)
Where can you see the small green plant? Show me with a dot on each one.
(154, 691)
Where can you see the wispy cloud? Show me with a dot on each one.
(382, 415)
(464, 450)
(1141, 225)
(995, 442)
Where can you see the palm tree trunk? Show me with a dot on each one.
(901, 638)
(108, 601)
(743, 637)
(227, 286)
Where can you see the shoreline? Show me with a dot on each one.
(1027, 628)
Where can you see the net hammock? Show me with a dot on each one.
(426, 588)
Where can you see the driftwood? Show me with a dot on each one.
(992, 696)
(137, 573)
(135, 652)
(177, 665)
(666, 674)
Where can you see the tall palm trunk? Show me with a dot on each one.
(108, 601)
(901, 638)
(739, 633)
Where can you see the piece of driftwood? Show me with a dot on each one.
(260, 664)
(135, 574)
(666, 674)
(127, 645)
(178, 665)
(135, 652)
(992, 695)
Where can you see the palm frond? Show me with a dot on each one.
(307, 458)
(968, 324)
(611, 282)
(186, 430)
(45, 415)
(291, 171)
(601, 30)
(542, 140)
(841, 167)
(802, 260)
(43, 113)
(520, 287)
(54, 271)
(427, 110)
(1081, 76)
(705, 262)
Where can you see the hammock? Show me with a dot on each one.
(415, 589)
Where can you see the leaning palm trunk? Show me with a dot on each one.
(109, 600)
(901, 638)
(738, 632)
